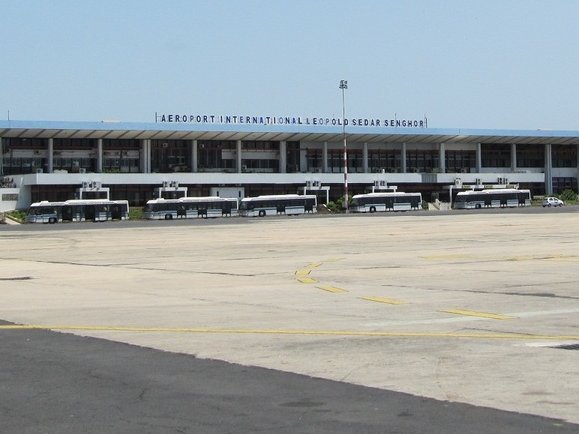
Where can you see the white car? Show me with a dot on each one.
(552, 201)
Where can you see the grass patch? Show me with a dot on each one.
(135, 213)
(17, 215)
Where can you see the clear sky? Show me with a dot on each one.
(509, 64)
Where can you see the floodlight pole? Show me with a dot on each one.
(344, 86)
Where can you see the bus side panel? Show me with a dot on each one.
(214, 212)
(379, 207)
(294, 210)
(403, 206)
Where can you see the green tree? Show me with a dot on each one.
(568, 196)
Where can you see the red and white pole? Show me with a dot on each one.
(344, 86)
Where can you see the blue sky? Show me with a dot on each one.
(466, 64)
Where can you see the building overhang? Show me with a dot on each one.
(356, 134)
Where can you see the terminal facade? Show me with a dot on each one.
(55, 160)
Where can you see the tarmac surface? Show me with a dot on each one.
(415, 322)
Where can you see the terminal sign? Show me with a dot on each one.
(289, 120)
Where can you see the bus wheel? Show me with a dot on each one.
(262, 213)
(372, 209)
(478, 206)
(168, 217)
(52, 220)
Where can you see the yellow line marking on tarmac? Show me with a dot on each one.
(302, 275)
(201, 330)
(383, 300)
(478, 314)
(307, 280)
(333, 259)
(330, 288)
(566, 259)
(307, 269)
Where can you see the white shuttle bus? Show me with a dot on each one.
(492, 198)
(289, 204)
(78, 210)
(391, 201)
(190, 207)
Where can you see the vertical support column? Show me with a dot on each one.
(238, 155)
(365, 158)
(146, 156)
(478, 158)
(442, 158)
(99, 151)
(283, 156)
(194, 160)
(303, 160)
(50, 160)
(149, 156)
(325, 158)
(404, 167)
(143, 162)
(513, 157)
(548, 170)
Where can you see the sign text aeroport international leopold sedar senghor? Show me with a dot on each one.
(289, 120)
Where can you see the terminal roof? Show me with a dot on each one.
(190, 131)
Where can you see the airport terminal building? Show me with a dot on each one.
(242, 156)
